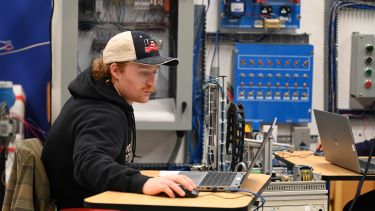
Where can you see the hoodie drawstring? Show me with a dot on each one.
(134, 141)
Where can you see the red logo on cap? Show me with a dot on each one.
(150, 45)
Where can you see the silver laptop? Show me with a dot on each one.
(338, 142)
(225, 181)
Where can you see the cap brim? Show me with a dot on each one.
(158, 60)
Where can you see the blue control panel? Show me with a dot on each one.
(263, 14)
(274, 81)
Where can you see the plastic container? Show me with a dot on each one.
(6, 93)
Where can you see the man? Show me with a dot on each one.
(93, 137)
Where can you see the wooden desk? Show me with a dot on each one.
(205, 201)
(328, 170)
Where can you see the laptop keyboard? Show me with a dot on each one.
(363, 164)
(218, 179)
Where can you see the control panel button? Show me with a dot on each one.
(367, 84)
(260, 62)
(368, 71)
(369, 48)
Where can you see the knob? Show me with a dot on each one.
(368, 60)
(367, 84)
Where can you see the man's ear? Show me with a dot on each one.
(115, 70)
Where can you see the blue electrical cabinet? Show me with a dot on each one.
(274, 81)
(250, 14)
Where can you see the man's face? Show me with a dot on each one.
(137, 82)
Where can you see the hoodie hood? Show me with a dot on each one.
(84, 86)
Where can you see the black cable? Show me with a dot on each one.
(256, 195)
(359, 187)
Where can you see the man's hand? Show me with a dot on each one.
(168, 184)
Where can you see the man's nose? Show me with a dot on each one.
(151, 80)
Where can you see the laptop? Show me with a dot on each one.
(213, 181)
(338, 142)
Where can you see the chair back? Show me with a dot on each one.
(28, 186)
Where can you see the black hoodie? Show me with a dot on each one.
(89, 144)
